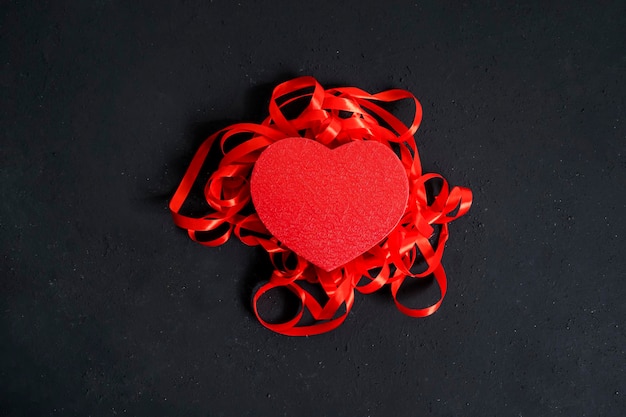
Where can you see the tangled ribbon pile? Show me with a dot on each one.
(302, 108)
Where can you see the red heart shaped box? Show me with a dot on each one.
(329, 205)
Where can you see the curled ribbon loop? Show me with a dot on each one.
(333, 117)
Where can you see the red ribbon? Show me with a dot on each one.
(332, 117)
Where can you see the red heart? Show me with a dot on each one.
(329, 206)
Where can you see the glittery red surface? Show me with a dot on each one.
(329, 206)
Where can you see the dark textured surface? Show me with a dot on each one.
(107, 309)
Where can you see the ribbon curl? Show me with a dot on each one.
(302, 108)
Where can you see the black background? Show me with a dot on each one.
(107, 308)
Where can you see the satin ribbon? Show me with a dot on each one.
(301, 107)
